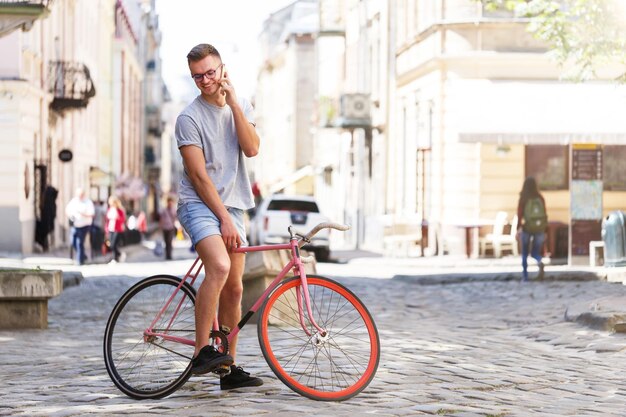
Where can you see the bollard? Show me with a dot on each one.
(614, 237)
(24, 296)
(260, 270)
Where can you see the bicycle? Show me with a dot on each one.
(315, 334)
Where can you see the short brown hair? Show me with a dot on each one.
(201, 51)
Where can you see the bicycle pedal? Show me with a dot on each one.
(222, 370)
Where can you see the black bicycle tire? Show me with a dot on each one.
(117, 379)
(312, 393)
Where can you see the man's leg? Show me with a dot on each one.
(168, 235)
(216, 266)
(230, 315)
(81, 234)
(230, 298)
(92, 241)
(73, 239)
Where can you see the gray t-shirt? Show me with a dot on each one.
(212, 129)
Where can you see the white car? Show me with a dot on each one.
(277, 212)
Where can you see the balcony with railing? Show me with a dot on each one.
(21, 14)
(71, 85)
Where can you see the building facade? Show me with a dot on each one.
(71, 95)
(479, 105)
(430, 114)
(284, 100)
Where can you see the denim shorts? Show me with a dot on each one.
(200, 222)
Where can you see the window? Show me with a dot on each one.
(293, 205)
(614, 169)
(548, 164)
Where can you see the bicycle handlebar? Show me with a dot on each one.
(326, 225)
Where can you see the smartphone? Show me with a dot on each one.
(222, 76)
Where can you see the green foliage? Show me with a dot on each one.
(583, 35)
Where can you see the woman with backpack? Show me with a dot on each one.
(531, 210)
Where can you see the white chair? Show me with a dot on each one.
(497, 240)
(400, 239)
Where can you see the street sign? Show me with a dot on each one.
(65, 155)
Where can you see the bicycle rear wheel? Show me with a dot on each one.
(331, 367)
(150, 367)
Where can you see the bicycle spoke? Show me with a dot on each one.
(172, 351)
(332, 365)
(150, 366)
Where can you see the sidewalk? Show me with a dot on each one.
(458, 268)
(73, 274)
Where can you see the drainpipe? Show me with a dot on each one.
(441, 133)
(391, 79)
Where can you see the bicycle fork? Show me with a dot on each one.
(304, 288)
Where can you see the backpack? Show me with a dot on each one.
(535, 218)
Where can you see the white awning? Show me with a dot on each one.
(564, 138)
(536, 112)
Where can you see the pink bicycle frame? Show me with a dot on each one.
(295, 263)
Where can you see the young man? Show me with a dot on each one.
(213, 134)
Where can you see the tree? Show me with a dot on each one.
(583, 35)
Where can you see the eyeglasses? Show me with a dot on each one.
(210, 74)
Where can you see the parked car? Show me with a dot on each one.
(277, 212)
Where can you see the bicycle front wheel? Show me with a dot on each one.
(150, 367)
(333, 366)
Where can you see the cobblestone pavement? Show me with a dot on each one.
(491, 348)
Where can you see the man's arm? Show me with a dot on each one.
(248, 139)
(246, 132)
(194, 162)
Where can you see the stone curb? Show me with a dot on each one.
(607, 313)
(610, 322)
(72, 279)
(457, 278)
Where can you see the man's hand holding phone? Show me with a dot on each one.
(227, 88)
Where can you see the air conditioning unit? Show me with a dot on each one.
(355, 106)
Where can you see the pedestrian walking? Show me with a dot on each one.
(168, 223)
(531, 210)
(45, 224)
(142, 223)
(96, 234)
(116, 218)
(214, 133)
(80, 212)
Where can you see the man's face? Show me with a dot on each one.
(206, 74)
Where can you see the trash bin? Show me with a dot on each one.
(614, 237)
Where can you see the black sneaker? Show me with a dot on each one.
(238, 378)
(208, 360)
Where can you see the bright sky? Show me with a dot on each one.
(232, 26)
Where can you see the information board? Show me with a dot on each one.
(586, 199)
(586, 162)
